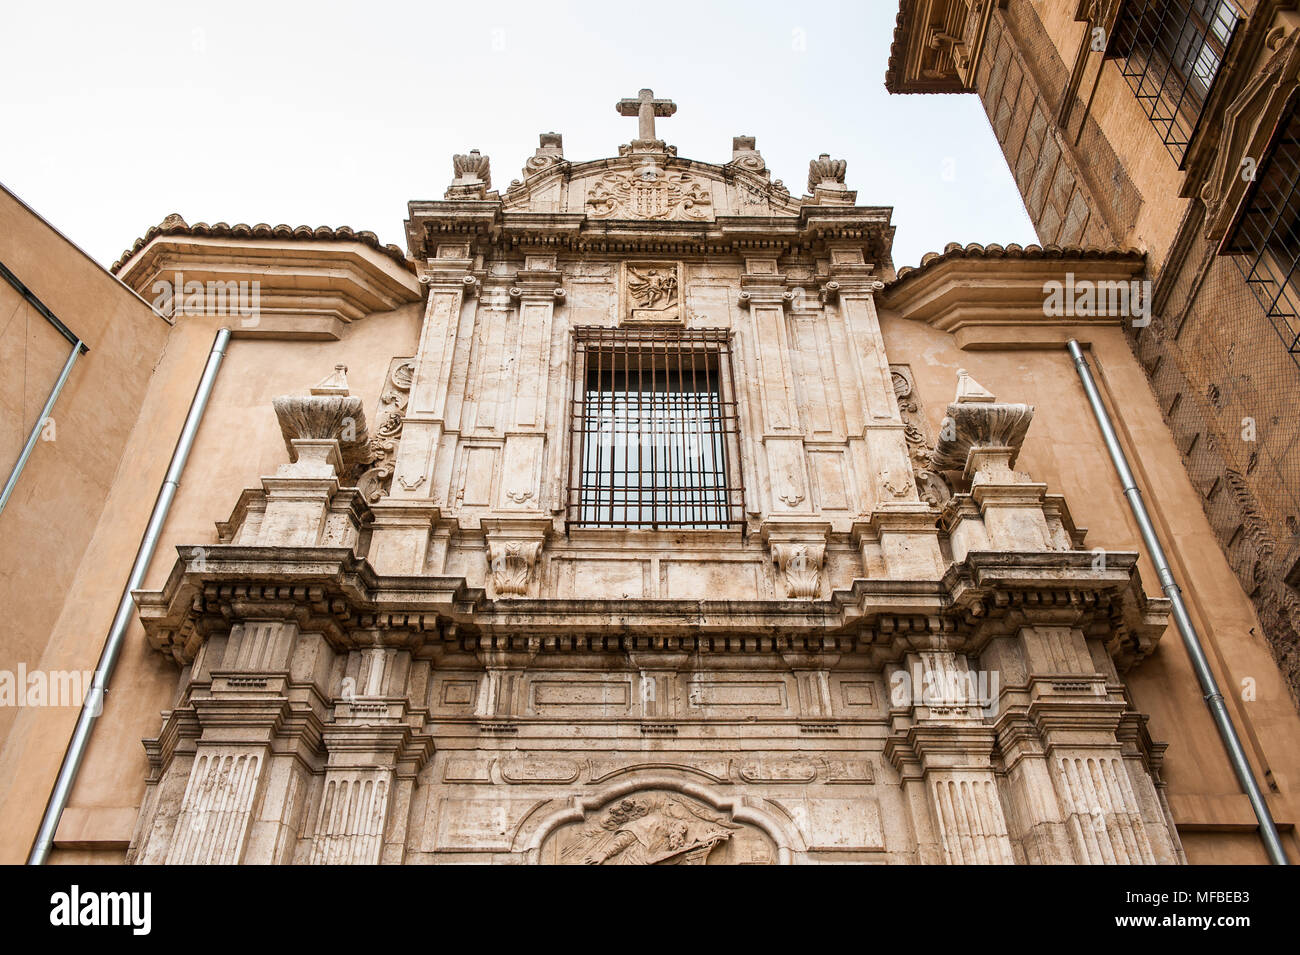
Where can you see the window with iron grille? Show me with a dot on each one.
(1170, 52)
(1265, 236)
(654, 441)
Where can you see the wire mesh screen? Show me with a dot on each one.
(1266, 238)
(1170, 52)
(654, 437)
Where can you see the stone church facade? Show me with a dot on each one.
(641, 512)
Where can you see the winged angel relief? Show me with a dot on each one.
(649, 194)
(654, 829)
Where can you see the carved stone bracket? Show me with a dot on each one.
(513, 548)
(799, 552)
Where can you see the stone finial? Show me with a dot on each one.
(968, 389)
(335, 383)
(646, 108)
(980, 433)
(550, 150)
(473, 176)
(325, 428)
(745, 154)
(826, 173)
(174, 221)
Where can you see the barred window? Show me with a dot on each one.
(1265, 236)
(654, 436)
(1170, 52)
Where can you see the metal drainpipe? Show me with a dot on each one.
(94, 701)
(39, 426)
(1186, 629)
(78, 349)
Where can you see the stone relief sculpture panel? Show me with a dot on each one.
(657, 828)
(651, 293)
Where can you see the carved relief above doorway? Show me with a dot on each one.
(656, 827)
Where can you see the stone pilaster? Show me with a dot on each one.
(941, 744)
(537, 290)
(374, 749)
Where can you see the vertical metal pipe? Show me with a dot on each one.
(1186, 629)
(17, 471)
(93, 704)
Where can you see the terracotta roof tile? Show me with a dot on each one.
(175, 225)
(955, 250)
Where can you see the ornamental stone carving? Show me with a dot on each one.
(931, 486)
(745, 154)
(655, 828)
(651, 292)
(650, 193)
(511, 564)
(978, 426)
(801, 565)
(382, 451)
(328, 414)
(550, 151)
(826, 173)
(473, 177)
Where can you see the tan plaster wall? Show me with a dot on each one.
(49, 522)
(1065, 450)
(239, 441)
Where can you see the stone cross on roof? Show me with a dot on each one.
(645, 108)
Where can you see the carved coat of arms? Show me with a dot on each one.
(649, 194)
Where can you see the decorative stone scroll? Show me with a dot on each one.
(931, 486)
(375, 482)
(550, 150)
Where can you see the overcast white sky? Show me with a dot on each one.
(337, 114)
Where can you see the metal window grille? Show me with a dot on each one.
(1170, 52)
(1265, 238)
(654, 439)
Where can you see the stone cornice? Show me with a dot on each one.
(488, 223)
(990, 296)
(307, 287)
(333, 592)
